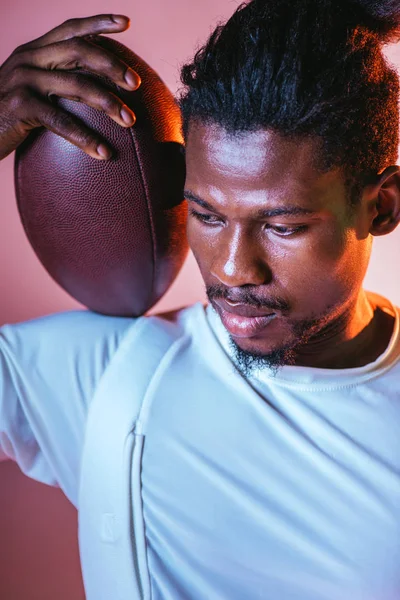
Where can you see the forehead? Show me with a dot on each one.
(257, 160)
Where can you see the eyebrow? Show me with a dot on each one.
(262, 213)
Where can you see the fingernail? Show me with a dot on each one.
(127, 116)
(104, 151)
(132, 79)
(119, 19)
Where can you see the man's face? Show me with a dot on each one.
(271, 234)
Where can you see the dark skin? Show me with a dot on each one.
(315, 273)
(41, 69)
(312, 263)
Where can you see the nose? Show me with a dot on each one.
(239, 260)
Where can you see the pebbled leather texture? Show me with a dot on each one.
(111, 233)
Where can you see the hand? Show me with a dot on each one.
(37, 70)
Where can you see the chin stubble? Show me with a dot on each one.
(247, 362)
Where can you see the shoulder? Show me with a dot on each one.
(163, 328)
(184, 321)
(85, 332)
(63, 353)
(381, 303)
(72, 331)
(182, 314)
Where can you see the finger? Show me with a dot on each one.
(80, 88)
(79, 53)
(78, 28)
(68, 127)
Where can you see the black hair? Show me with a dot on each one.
(304, 68)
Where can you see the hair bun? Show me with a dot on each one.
(380, 16)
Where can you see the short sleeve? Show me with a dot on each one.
(49, 370)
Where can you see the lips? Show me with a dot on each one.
(242, 320)
(242, 310)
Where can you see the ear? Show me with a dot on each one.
(387, 202)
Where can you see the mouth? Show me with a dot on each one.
(242, 320)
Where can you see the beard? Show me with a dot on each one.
(303, 331)
(248, 362)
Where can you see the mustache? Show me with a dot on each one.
(246, 296)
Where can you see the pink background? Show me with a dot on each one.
(38, 551)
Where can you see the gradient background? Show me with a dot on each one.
(38, 552)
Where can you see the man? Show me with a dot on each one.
(249, 449)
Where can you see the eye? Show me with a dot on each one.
(279, 230)
(286, 231)
(210, 219)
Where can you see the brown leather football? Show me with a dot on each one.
(111, 233)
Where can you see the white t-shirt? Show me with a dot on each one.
(281, 487)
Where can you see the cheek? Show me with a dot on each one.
(342, 258)
(352, 265)
(325, 270)
(199, 245)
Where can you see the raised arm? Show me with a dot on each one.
(49, 370)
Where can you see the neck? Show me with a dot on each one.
(358, 336)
